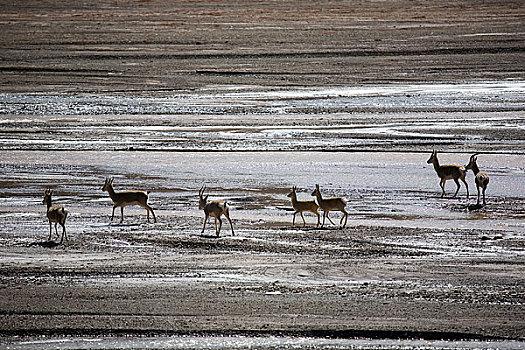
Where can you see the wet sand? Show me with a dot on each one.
(252, 100)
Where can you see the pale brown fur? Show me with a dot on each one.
(216, 209)
(482, 178)
(327, 204)
(448, 172)
(302, 206)
(55, 215)
(122, 199)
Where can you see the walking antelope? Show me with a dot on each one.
(57, 215)
(335, 203)
(216, 209)
(448, 172)
(122, 199)
(482, 178)
(301, 206)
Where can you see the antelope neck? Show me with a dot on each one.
(111, 191)
(435, 161)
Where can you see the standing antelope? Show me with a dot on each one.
(482, 178)
(57, 215)
(214, 208)
(448, 172)
(301, 206)
(335, 203)
(122, 199)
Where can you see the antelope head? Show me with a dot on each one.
(316, 191)
(472, 161)
(291, 194)
(432, 157)
(47, 197)
(107, 184)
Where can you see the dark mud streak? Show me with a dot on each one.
(31, 69)
(295, 55)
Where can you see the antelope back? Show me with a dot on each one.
(305, 205)
(333, 203)
(328, 203)
(57, 214)
(451, 171)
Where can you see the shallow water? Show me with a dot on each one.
(478, 116)
(497, 96)
(386, 189)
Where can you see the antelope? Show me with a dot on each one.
(448, 172)
(57, 215)
(482, 178)
(122, 199)
(301, 206)
(216, 209)
(335, 203)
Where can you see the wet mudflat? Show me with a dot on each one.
(252, 99)
(409, 262)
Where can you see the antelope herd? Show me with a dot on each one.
(218, 208)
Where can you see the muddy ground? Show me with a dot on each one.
(149, 46)
(252, 98)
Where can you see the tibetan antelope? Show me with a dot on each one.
(215, 209)
(327, 204)
(301, 206)
(122, 199)
(57, 215)
(448, 172)
(482, 178)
